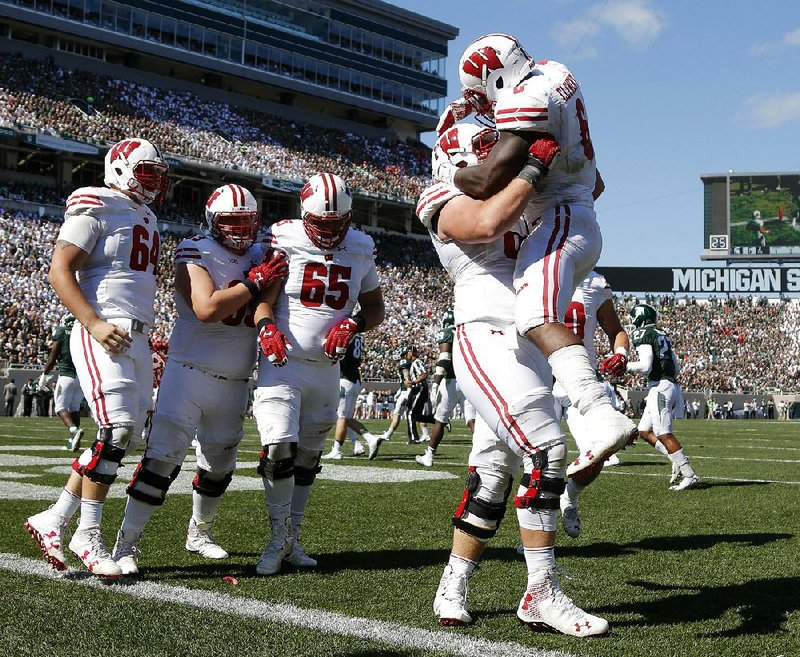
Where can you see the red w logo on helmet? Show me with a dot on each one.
(307, 191)
(213, 197)
(485, 57)
(124, 148)
(449, 140)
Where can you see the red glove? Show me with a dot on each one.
(274, 267)
(541, 155)
(455, 111)
(340, 337)
(616, 365)
(273, 343)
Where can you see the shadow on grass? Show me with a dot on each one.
(763, 605)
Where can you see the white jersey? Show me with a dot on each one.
(549, 100)
(121, 237)
(226, 348)
(322, 287)
(483, 273)
(581, 316)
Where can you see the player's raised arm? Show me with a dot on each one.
(273, 342)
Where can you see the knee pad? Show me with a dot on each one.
(151, 481)
(543, 482)
(483, 504)
(204, 484)
(306, 466)
(277, 461)
(102, 460)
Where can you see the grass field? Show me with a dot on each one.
(711, 571)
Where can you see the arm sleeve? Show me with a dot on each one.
(645, 362)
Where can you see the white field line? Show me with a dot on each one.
(613, 471)
(720, 458)
(32, 448)
(382, 632)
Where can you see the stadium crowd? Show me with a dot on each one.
(41, 96)
(725, 345)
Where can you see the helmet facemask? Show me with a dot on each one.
(150, 180)
(235, 230)
(326, 232)
(327, 209)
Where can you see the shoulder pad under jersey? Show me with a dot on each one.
(433, 199)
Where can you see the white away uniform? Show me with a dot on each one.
(298, 402)
(119, 280)
(565, 240)
(205, 383)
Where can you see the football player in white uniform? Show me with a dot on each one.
(104, 271)
(592, 305)
(204, 389)
(537, 108)
(331, 269)
(508, 381)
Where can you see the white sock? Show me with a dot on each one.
(299, 504)
(65, 507)
(73, 430)
(91, 514)
(431, 451)
(572, 369)
(538, 559)
(337, 448)
(137, 515)
(659, 447)
(204, 508)
(461, 565)
(425, 431)
(682, 461)
(352, 435)
(573, 491)
(278, 495)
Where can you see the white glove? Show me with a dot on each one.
(453, 113)
(42, 381)
(436, 395)
(445, 171)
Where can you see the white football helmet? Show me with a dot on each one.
(465, 145)
(232, 217)
(327, 206)
(491, 63)
(136, 166)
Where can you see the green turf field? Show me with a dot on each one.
(711, 571)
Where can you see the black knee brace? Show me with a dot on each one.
(102, 450)
(274, 470)
(150, 478)
(537, 483)
(203, 485)
(305, 476)
(491, 511)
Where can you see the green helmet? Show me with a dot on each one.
(448, 319)
(643, 314)
(67, 321)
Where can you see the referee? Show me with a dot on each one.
(417, 396)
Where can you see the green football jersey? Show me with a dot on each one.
(65, 364)
(446, 336)
(404, 364)
(663, 363)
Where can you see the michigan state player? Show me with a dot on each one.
(445, 393)
(401, 398)
(68, 395)
(658, 362)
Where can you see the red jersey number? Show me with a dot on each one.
(245, 313)
(325, 284)
(143, 251)
(575, 319)
(586, 139)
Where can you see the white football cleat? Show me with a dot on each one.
(686, 482)
(426, 459)
(373, 444)
(126, 554)
(611, 461)
(675, 474)
(200, 541)
(47, 531)
(544, 606)
(358, 448)
(90, 547)
(450, 603)
(298, 557)
(333, 455)
(571, 520)
(73, 443)
(615, 432)
(278, 547)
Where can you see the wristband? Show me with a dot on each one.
(267, 321)
(621, 350)
(252, 287)
(361, 323)
(533, 171)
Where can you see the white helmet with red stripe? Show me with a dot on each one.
(326, 204)
(232, 216)
(136, 166)
(489, 64)
(465, 145)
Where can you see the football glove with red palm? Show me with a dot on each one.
(541, 155)
(341, 335)
(274, 267)
(615, 365)
(453, 113)
(273, 343)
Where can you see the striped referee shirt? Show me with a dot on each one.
(417, 369)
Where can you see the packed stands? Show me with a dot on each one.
(41, 96)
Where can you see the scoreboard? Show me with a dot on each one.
(751, 216)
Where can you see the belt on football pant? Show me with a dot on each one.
(212, 375)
